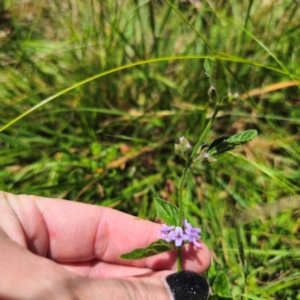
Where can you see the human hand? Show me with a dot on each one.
(58, 249)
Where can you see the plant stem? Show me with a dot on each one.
(183, 178)
(180, 200)
(204, 134)
(189, 163)
(179, 263)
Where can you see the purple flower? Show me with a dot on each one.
(192, 233)
(165, 230)
(206, 155)
(185, 223)
(178, 236)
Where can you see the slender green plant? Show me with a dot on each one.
(176, 230)
(79, 82)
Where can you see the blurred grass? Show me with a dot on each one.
(110, 141)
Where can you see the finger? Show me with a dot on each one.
(41, 278)
(69, 231)
(98, 269)
(80, 232)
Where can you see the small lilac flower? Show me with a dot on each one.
(178, 236)
(165, 230)
(184, 148)
(206, 155)
(184, 143)
(185, 223)
(192, 233)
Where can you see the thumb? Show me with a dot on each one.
(150, 286)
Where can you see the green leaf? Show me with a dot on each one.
(154, 248)
(243, 137)
(220, 288)
(220, 285)
(226, 143)
(166, 211)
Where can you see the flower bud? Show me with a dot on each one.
(184, 148)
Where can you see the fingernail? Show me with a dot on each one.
(188, 285)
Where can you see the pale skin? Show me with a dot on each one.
(58, 249)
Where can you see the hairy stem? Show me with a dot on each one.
(183, 178)
(179, 262)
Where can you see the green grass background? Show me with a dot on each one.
(109, 140)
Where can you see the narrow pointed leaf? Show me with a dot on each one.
(154, 248)
(166, 211)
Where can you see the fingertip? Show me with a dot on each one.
(196, 259)
(193, 258)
